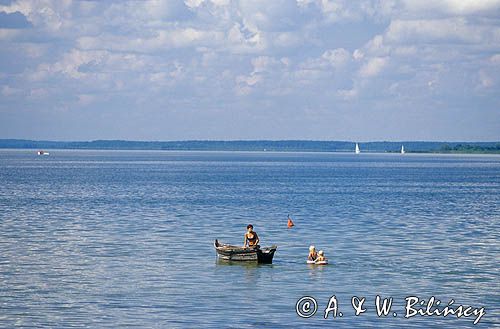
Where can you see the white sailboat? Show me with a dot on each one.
(402, 149)
(357, 151)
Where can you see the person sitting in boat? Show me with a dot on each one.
(251, 238)
(312, 254)
(321, 257)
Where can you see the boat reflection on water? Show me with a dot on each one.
(250, 272)
(226, 262)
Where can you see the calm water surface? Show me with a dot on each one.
(124, 238)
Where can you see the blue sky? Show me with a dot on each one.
(219, 69)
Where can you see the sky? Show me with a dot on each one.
(218, 69)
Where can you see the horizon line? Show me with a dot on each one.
(249, 140)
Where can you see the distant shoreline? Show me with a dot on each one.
(261, 145)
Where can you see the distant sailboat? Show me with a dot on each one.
(402, 149)
(357, 151)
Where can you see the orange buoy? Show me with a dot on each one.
(290, 223)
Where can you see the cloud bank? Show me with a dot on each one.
(220, 69)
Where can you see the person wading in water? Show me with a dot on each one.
(312, 254)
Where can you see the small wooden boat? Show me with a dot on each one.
(236, 253)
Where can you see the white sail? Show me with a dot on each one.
(402, 149)
(357, 149)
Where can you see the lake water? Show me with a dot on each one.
(124, 238)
